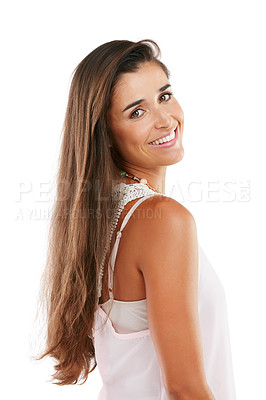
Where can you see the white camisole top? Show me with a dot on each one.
(127, 332)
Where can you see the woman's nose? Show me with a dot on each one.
(162, 119)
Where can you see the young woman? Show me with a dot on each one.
(128, 287)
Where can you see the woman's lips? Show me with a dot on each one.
(167, 144)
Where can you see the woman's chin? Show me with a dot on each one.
(177, 157)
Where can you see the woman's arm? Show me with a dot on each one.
(195, 394)
(167, 255)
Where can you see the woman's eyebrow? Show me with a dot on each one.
(141, 100)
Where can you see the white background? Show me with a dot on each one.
(215, 51)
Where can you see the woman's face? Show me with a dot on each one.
(144, 110)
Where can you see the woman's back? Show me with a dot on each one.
(127, 345)
(128, 280)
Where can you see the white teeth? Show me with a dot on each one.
(165, 139)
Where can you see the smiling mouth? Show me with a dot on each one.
(167, 138)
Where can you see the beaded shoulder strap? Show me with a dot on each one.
(124, 193)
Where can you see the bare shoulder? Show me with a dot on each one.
(160, 215)
(171, 207)
(165, 227)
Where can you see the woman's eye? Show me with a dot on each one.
(169, 94)
(164, 97)
(135, 113)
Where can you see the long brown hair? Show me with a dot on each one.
(89, 164)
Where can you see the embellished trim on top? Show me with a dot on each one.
(128, 192)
